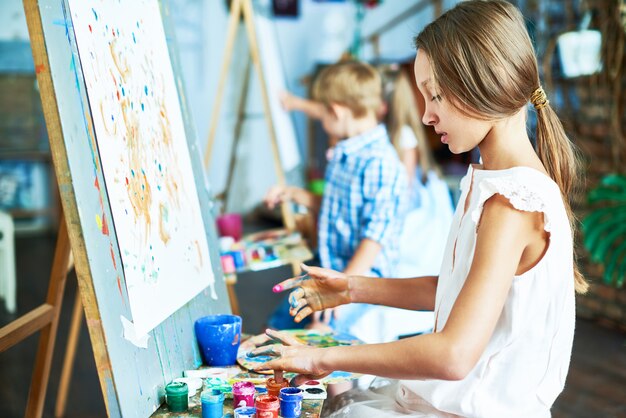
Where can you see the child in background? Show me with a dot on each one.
(504, 299)
(429, 205)
(428, 220)
(362, 207)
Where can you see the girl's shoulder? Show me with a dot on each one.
(526, 188)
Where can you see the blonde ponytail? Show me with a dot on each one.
(560, 158)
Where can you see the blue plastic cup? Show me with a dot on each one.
(218, 338)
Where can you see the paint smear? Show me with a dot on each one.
(105, 225)
(163, 218)
(113, 257)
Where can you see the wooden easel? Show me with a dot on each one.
(244, 8)
(44, 318)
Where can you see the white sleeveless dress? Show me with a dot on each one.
(525, 363)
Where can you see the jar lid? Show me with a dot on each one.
(212, 396)
(291, 394)
(177, 388)
(266, 402)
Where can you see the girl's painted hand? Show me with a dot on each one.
(292, 355)
(316, 290)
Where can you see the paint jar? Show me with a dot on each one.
(212, 403)
(218, 337)
(243, 394)
(176, 396)
(245, 412)
(267, 406)
(228, 263)
(290, 402)
(238, 258)
(230, 225)
(226, 244)
(273, 387)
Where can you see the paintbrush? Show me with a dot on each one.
(291, 283)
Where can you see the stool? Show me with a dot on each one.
(7, 261)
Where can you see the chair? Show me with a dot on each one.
(7, 261)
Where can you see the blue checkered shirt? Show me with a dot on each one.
(364, 197)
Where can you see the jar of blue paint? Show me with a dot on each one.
(212, 403)
(245, 412)
(290, 402)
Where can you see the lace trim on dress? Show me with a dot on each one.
(519, 194)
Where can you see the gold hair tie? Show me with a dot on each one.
(539, 98)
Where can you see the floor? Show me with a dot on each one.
(596, 385)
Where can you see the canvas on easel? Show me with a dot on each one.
(133, 190)
(143, 152)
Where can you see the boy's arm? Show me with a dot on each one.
(278, 194)
(311, 108)
(363, 258)
(306, 198)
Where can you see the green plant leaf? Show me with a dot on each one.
(614, 180)
(618, 253)
(599, 251)
(600, 194)
(604, 228)
(600, 216)
(593, 236)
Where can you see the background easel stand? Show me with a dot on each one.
(239, 8)
(44, 318)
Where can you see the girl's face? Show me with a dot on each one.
(461, 133)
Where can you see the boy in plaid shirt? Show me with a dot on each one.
(361, 211)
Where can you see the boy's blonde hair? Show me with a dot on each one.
(352, 84)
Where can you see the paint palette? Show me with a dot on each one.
(265, 249)
(313, 389)
(313, 338)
